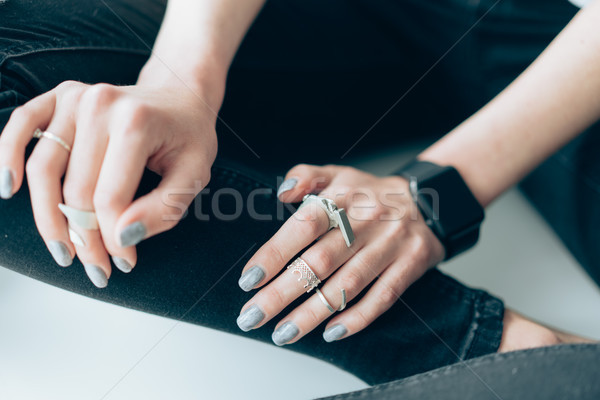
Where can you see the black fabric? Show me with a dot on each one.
(549, 373)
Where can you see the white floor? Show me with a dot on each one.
(57, 345)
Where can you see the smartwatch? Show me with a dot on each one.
(447, 204)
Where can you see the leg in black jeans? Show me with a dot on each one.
(549, 373)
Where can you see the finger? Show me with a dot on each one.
(80, 181)
(381, 296)
(324, 257)
(353, 278)
(303, 179)
(16, 135)
(299, 231)
(119, 178)
(45, 168)
(161, 209)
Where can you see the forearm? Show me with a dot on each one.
(197, 42)
(553, 101)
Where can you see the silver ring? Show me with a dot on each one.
(79, 218)
(324, 300)
(305, 273)
(38, 134)
(337, 216)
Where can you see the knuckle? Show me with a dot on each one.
(275, 255)
(204, 175)
(106, 200)
(300, 169)
(275, 297)
(40, 165)
(352, 282)
(312, 316)
(387, 296)
(399, 229)
(131, 117)
(343, 171)
(168, 219)
(22, 113)
(98, 96)
(321, 259)
(362, 318)
(373, 212)
(135, 113)
(76, 193)
(420, 247)
(67, 85)
(33, 165)
(310, 227)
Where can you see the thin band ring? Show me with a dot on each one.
(38, 134)
(324, 300)
(305, 273)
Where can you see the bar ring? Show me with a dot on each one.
(324, 300)
(305, 273)
(39, 134)
(337, 216)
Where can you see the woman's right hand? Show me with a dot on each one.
(114, 132)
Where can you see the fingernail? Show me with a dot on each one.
(287, 185)
(122, 264)
(96, 275)
(6, 183)
(60, 253)
(251, 278)
(285, 333)
(133, 234)
(250, 318)
(334, 333)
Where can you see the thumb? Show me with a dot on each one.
(304, 179)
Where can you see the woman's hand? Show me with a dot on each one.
(114, 132)
(392, 243)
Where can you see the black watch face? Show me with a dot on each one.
(448, 204)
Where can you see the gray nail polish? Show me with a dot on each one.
(251, 278)
(250, 318)
(133, 234)
(60, 253)
(6, 183)
(285, 333)
(122, 264)
(288, 184)
(96, 275)
(334, 333)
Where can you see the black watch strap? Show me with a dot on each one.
(447, 204)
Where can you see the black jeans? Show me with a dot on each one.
(308, 81)
(550, 373)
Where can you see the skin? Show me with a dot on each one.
(166, 122)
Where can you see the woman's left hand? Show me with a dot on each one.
(392, 243)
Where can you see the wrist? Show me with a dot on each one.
(203, 78)
(446, 203)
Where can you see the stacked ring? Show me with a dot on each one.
(305, 273)
(324, 300)
(312, 281)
